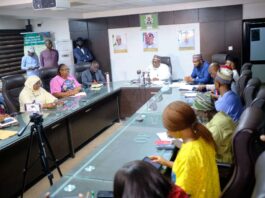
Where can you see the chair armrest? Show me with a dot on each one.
(224, 165)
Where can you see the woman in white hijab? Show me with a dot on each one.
(33, 92)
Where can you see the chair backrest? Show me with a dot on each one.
(242, 82)
(78, 71)
(259, 189)
(46, 74)
(246, 66)
(219, 58)
(244, 145)
(259, 101)
(166, 60)
(251, 91)
(12, 86)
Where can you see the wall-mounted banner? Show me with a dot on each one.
(150, 41)
(149, 21)
(37, 40)
(119, 43)
(186, 39)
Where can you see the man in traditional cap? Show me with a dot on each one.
(30, 62)
(228, 102)
(220, 125)
(158, 71)
(81, 53)
(200, 74)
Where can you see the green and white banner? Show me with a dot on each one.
(37, 40)
(149, 21)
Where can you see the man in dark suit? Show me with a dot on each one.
(92, 75)
(81, 53)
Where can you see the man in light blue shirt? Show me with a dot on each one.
(30, 62)
(228, 102)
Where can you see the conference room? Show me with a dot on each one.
(119, 98)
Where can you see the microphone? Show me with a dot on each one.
(22, 130)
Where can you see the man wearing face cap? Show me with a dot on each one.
(30, 62)
(200, 74)
(81, 53)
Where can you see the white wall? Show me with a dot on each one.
(7, 22)
(254, 10)
(61, 34)
(125, 65)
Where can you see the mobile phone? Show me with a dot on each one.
(155, 164)
(105, 194)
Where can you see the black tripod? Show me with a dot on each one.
(37, 131)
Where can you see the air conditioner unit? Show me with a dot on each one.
(50, 4)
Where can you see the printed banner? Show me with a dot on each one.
(186, 39)
(119, 43)
(150, 41)
(149, 21)
(37, 40)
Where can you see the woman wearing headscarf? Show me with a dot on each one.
(194, 169)
(34, 93)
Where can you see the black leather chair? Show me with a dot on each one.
(246, 66)
(12, 86)
(242, 82)
(219, 58)
(245, 150)
(46, 74)
(251, 91)
(78, 71)
(259, 101)
(166, 60)
(259, 189)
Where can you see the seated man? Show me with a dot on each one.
(213, 69)
(220, 125)
(92, 75)
(158, 70)
(81, 53)
(228, 102)
(200, 74)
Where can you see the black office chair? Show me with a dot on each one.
(78, 71)
(259, 189)
(242, 82)
(259, 101)
(246, 66)
(12, 86)
(245, 150)
(166, 60)
(251, 91)
(46, 74)
(219, 58)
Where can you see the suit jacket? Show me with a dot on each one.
(82, 57)
(87, 77)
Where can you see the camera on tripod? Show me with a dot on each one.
(36, 118)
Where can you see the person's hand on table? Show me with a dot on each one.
(49, 105)
(201, 87)
(155, 79)
(188, 79)
(161, 160)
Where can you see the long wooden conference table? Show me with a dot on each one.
(77, 122)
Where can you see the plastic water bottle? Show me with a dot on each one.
(107, 78)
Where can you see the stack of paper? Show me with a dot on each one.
(4, 134)
(164, 137)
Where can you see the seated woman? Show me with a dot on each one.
(33, 92)
(195, 168)
(63, 84)
(140, 179)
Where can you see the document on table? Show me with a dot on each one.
(4, 134)
(164, 137)
(190, 94)
(80, 94)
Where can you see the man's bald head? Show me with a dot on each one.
(213, 69)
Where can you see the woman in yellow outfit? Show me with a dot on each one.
(195, 168)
